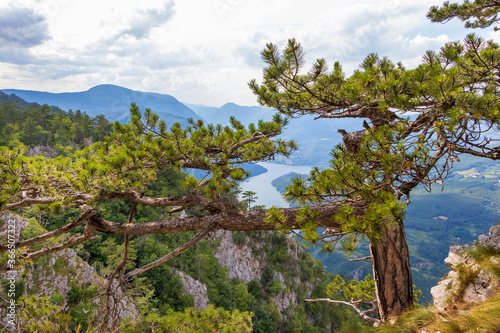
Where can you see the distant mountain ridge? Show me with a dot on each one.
(112, 101)
(245, 114)
(315, 138)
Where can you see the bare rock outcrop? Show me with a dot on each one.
(468, 280)
(195, 289)
(46, 151)
(239, 259)
(243, 263)
(53, 274)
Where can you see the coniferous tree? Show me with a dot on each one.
(455, 97)
(249, 197)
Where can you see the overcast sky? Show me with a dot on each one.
(200, 51)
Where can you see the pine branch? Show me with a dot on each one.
(62, 230)
(74, 240)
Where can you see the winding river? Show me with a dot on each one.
(267, 194)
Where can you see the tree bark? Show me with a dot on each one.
(392, 273)
(233, 220)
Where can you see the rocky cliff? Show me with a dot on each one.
(247, 260)
(195, 289)
(53, 274)
(474, 275)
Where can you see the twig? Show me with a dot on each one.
(363, 314)
(361, 259)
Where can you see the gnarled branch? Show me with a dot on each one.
(231, 219)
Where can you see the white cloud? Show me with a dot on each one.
(204, 51)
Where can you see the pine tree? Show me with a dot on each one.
(248, 197)
(476, 13)
(455, 97)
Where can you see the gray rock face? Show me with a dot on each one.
(481, 289)
(239, 259)
(242, 263)
(54, 273)
(493, 238)
(456, 256)
(46, 151)
(484, 285)
(195, 289)
(13, 222)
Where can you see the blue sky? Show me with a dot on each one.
(200, 51)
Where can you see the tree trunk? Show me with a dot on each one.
(392, 273)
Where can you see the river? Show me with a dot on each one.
(267, 194)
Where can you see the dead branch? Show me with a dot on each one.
(353, 304)
(361, 259)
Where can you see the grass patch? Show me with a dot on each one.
(484, 318)
(411, 321)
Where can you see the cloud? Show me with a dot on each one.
(147, 20)
(22, 28)
(199, 51)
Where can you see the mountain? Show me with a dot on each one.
(111, 101)
(245, 114)
(315, 137)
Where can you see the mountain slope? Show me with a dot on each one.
(315, 137)
(111, 101)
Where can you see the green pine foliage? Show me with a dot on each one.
(475, 13)
(201, 321)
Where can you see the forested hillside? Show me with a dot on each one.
(33, 125)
